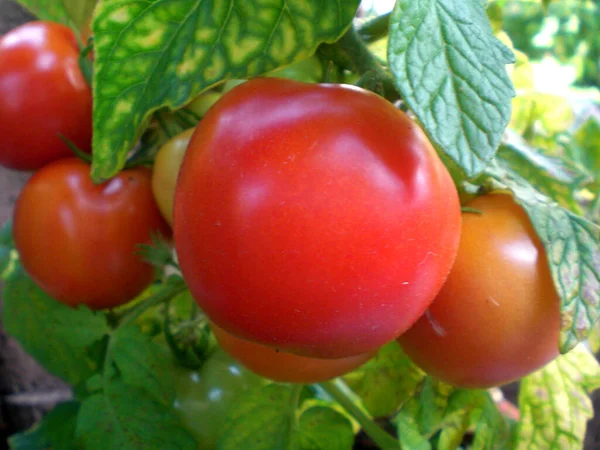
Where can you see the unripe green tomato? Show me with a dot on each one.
(164, 173)
(205, 397)
(307, 70)
(201, 104)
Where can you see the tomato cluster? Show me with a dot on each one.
(313, 223)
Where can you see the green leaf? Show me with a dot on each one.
(6, 236)
(59, 337)
(56, 430)
(492, 431)
(67, 12)
(555, 177)
(554, 403)
(450, 70)
(322, 428)
(585, 145)
(143, 363)
(572, 246)
(439, 408)
(263, 419)
(456, 419)
(163, 53)
(386, 381)
(551, 114)
(409, 434)
(127, 418)
(8, 255)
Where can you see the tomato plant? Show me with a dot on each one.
(164, 172)
(78, 240)
(205, 396)
(316, 225)
(289, 191)
(44, 96)
(497, 317)
(276, 365)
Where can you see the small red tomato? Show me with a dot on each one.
(43, 94)
(316, 219)
(78, 240)
(286, 367)
(497, 318)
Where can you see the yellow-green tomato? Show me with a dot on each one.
(307, 70)
(205, 397)
(164, 173)
(201, 104)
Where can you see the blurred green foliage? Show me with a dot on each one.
(569, 30)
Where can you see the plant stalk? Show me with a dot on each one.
(351, 53)
(337, 390)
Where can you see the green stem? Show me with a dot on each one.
(351, 53)
(468, 209)
(169, 291)
(376, 28)
(337, 389)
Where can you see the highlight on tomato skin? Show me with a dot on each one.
(44, 96)
(284, 367)
(317, 217)
(497, 317)
(79, 241)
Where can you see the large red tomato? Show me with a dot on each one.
(78, 240)
(43, 94)
(284, 367)
(497, 318)
(316, 219)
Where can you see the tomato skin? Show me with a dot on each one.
(78, 240)
(43, 94)
(205, 397)
(285, 367)
(164, 172)
(497, 317)
(316, 219)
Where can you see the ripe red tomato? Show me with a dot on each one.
(497, 318)
(316, 219)
(284, 367)
(43, 95)
(78, 239)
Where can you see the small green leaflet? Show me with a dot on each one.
(127, 418)
(450, 70)
(492, 429)
(449, 412)
(572, 246)
(56, 430)
(8, 254)
(164, 53)
(59, 337)
(585, 145)
(322, 428)
(386, 381)
(263, 419)
(554, 402)
(67, 12)
(555, 177)
(267, 418)
(142, 363)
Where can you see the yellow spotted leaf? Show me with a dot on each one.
(163, 53)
